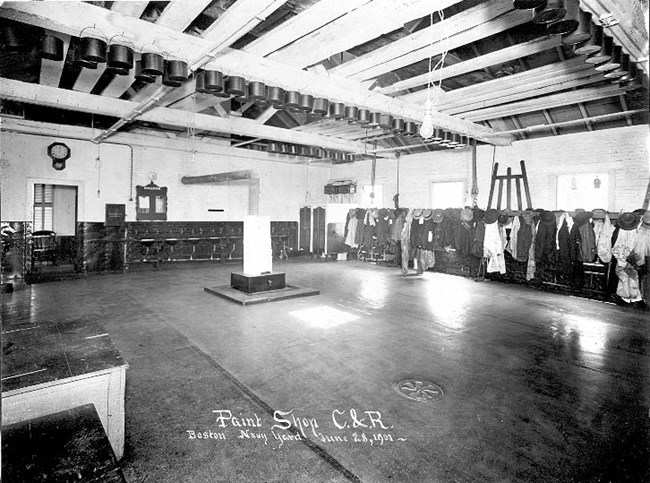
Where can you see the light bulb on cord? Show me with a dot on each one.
(426, 130)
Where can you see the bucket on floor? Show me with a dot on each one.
(342, 256)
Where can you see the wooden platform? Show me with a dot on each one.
(67, 446)
(242, 298)
(53, 366)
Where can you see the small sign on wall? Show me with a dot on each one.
(115, 215)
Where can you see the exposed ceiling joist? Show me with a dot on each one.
(268, 113)
(475, 23)
(179, 14)
(79, 101)
(487, 60)
(119, 85)
(302, 24)
(547, 102)
(88, 78)
(130, 8)
(365, 23)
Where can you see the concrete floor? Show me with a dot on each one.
(537, 387)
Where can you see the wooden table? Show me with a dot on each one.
(51, 367)
(65, 446)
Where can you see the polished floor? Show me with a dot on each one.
(536, 387)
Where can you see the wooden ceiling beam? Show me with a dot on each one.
(83, 102)
(493, 58)
(303, 24)
(468, 26)
(179, 14)
(268, 113)
(87, 78)
(129, 8)
(365, 23)
(547, 102)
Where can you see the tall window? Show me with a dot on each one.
(43, 207)
(447, 194)
(587, 191)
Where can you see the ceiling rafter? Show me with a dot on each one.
(51, 70)
(179, 14)
(129, 8)
(468, 26)
(83, 102)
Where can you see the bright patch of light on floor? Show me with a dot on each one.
(448, 302)
(592, 334)
(324, 317)
(373, 291)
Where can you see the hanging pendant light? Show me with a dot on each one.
(337, 110)
(570, 21)
(256, 91)
(593, 44)
(363, 116)
(152, 64)
(397, 125)
(176, 70)
(52, 48)
(410, 129)
(351, 113)
(623, 69)
(77, 60)
(582, 33)
(427, 129)
(306, 102)
(375, 119)
(552, 12)
(141, 76)
(93, 49)
(321, 106)
(275, 95)
(120, 56)
(386, 121)
(528, 4)
(613, 63)
(604, 54)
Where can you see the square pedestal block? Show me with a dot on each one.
(257, 283)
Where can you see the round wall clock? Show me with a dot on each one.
(59, 153)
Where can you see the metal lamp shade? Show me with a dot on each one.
(236, 86)
(363, 116)
(337, 110)
(321, 106)
(52, 48)
(623, 69)
(397, 126)
(120, 56)
(351, 113)
(152, 64)
(375, 119)
(386, 121)
(213, 80)
(200, 83)
(291, 99)
(306, 102)
(582, 33)
(167, 81)
(176, 70)
(93, 49)
(604, 54)
(570, 21)
(552, 12)
(275, 95)
(528, 4)
(256, 91)
(613, 63)
(409, 129)
(592, 45)
(77, 60)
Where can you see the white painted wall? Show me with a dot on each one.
(284, 187)
(622, 152)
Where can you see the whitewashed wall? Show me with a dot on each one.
(621, 152)
(284, 187)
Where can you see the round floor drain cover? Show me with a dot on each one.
(419, 390)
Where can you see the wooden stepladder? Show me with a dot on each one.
(508, 178)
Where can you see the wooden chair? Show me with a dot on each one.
(43, 246)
